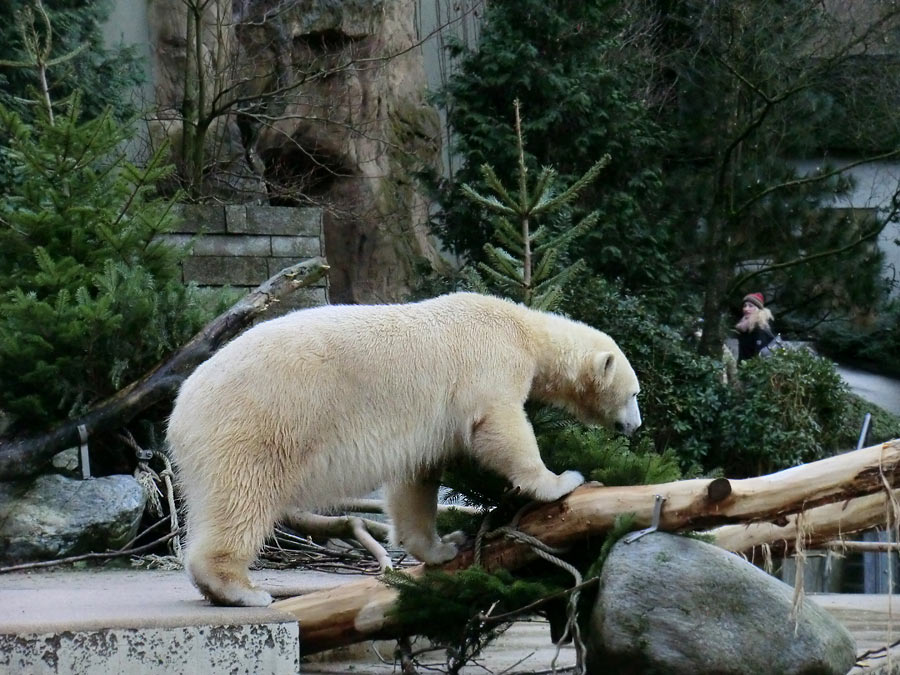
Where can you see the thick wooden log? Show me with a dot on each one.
(359, 610)
(24, 456)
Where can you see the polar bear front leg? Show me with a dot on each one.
(504, 441)
(413, 510)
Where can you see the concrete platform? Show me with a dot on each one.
(127, 622)
(144, 621)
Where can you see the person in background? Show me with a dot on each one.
(754, 332)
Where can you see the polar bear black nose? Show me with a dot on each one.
(626, 429)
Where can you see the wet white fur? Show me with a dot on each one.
(332, 402)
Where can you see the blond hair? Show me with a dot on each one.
(758, 319)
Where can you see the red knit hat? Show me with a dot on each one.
(755, 298)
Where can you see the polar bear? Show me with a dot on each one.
(328, 403)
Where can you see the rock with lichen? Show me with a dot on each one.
(675, 605)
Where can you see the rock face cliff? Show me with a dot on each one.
(307, 102)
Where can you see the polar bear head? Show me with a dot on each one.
(586, 373)
(609, 392)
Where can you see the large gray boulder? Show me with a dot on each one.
(674, 605)
(55, 516)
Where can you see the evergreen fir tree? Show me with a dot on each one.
(69, 30)
(584, 96)
(49, 49)
(528, 264)
(89, 296)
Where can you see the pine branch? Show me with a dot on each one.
(509, 236)
(572, 192)
(563, 239)
(504, 262)
(491, 202)
(543, 186)
(493, 182)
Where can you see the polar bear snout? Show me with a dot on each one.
(626, 429)
(629, 418)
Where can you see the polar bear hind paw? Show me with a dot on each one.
(235, 595)
(438, 553)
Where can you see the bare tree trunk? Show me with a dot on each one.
(20, 457)
(359, 611)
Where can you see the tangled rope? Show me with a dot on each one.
(151, 481)
(551, 555)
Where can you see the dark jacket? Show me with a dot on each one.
(751, 342)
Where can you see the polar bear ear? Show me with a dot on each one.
(604, 368)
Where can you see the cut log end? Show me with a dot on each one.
(718, 489)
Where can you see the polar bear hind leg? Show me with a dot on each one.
(413, 510)
(225, 533)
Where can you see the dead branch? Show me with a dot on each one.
(316, 525)
(25, 456)
(89, 556)
(825, 523)
(367, 532)
(377, 506)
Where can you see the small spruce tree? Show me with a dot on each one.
(89, 296)
(528, 264)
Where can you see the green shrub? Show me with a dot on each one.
(682, 393)
(788, 409)
(781, 411)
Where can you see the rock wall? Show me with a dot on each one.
(243, 245)
(322, 103)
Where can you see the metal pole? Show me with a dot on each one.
(864, 434)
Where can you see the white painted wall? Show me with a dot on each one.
(128, 24)
(875, 182)
(436, 22)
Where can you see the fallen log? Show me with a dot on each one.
(25, 456)
(359, 611)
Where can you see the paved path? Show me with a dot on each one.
(874, 621)
(879, 389)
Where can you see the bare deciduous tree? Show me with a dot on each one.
(281, 103)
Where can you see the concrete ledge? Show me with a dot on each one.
(121, 621)
(250, 648)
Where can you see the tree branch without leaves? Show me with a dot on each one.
(25, 456)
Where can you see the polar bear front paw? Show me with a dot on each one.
(554, 487)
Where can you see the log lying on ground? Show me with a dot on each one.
(358, 611)
(25, 456)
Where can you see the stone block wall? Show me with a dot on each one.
(242, 245)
